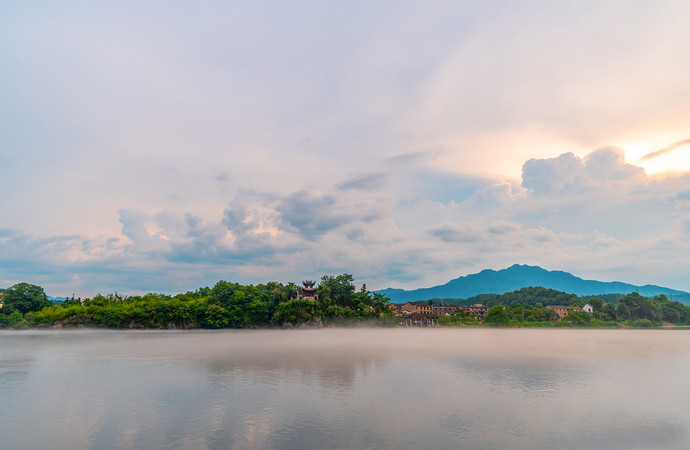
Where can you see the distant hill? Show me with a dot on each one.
(518, 276)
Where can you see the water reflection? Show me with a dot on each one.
(359, 388)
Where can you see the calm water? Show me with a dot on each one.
(357, 388)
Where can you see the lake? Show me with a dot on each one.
(345, 388)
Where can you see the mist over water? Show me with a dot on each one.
(345, 388)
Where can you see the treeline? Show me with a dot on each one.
(527, 307)
(225, 305)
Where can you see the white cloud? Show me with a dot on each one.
(387, 240)
(151, 147)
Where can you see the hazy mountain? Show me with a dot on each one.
(518, 276)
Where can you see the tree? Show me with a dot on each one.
(610, 310)
(597, 304)
(672, 313)
(632, 302)
(223, 293)
(216, 316)
(341, 289)
(650, 310)
(578, 318)
(550, 314)
(380, 303)
(623, 311)
(497, 316)
(296, 311)
(25, 297)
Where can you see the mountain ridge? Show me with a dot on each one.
(517, 276)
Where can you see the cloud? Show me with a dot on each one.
(551, 175)
(223, 177)
(439, 227)
(605, 166)
(665, 150)
(366, 182)
(450, 232)
(608, 164)
(417, 157)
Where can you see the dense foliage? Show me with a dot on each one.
(225, 305)
(527, 307)
(232, 305)
(24, 297)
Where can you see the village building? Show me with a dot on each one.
(563, 311)
(477, 310)
(588, 308)
(444, 309)
(412, 307)
(423, 320)
(425, 309)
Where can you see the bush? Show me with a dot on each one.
(642, 323)
(577, 318)
(299, 311)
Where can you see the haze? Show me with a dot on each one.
(345, 388)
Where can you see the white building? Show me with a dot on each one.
(588, 308)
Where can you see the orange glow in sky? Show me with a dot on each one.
(659, 155)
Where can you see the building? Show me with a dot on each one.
(589, 309)
(412, 307)
(477, 310)
(308, 291)
(444, 309)
(420, 320)
(427, 310)
(563, 311)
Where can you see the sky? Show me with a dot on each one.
(161, 146)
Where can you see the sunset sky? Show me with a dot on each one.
(165, 145)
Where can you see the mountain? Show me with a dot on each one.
(518, 276)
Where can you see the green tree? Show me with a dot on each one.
(216, 317)
(597, 304)
(296, 311)
(623, 311)
(223, 293)
(497, 316)
(651, 310)
(325, 299)
(15, 318)
(549, 314)
(341, 289)
(672, 314)
(577, 318)
(632, 301)
(610, 310)
(25, 297)
(380, 303)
